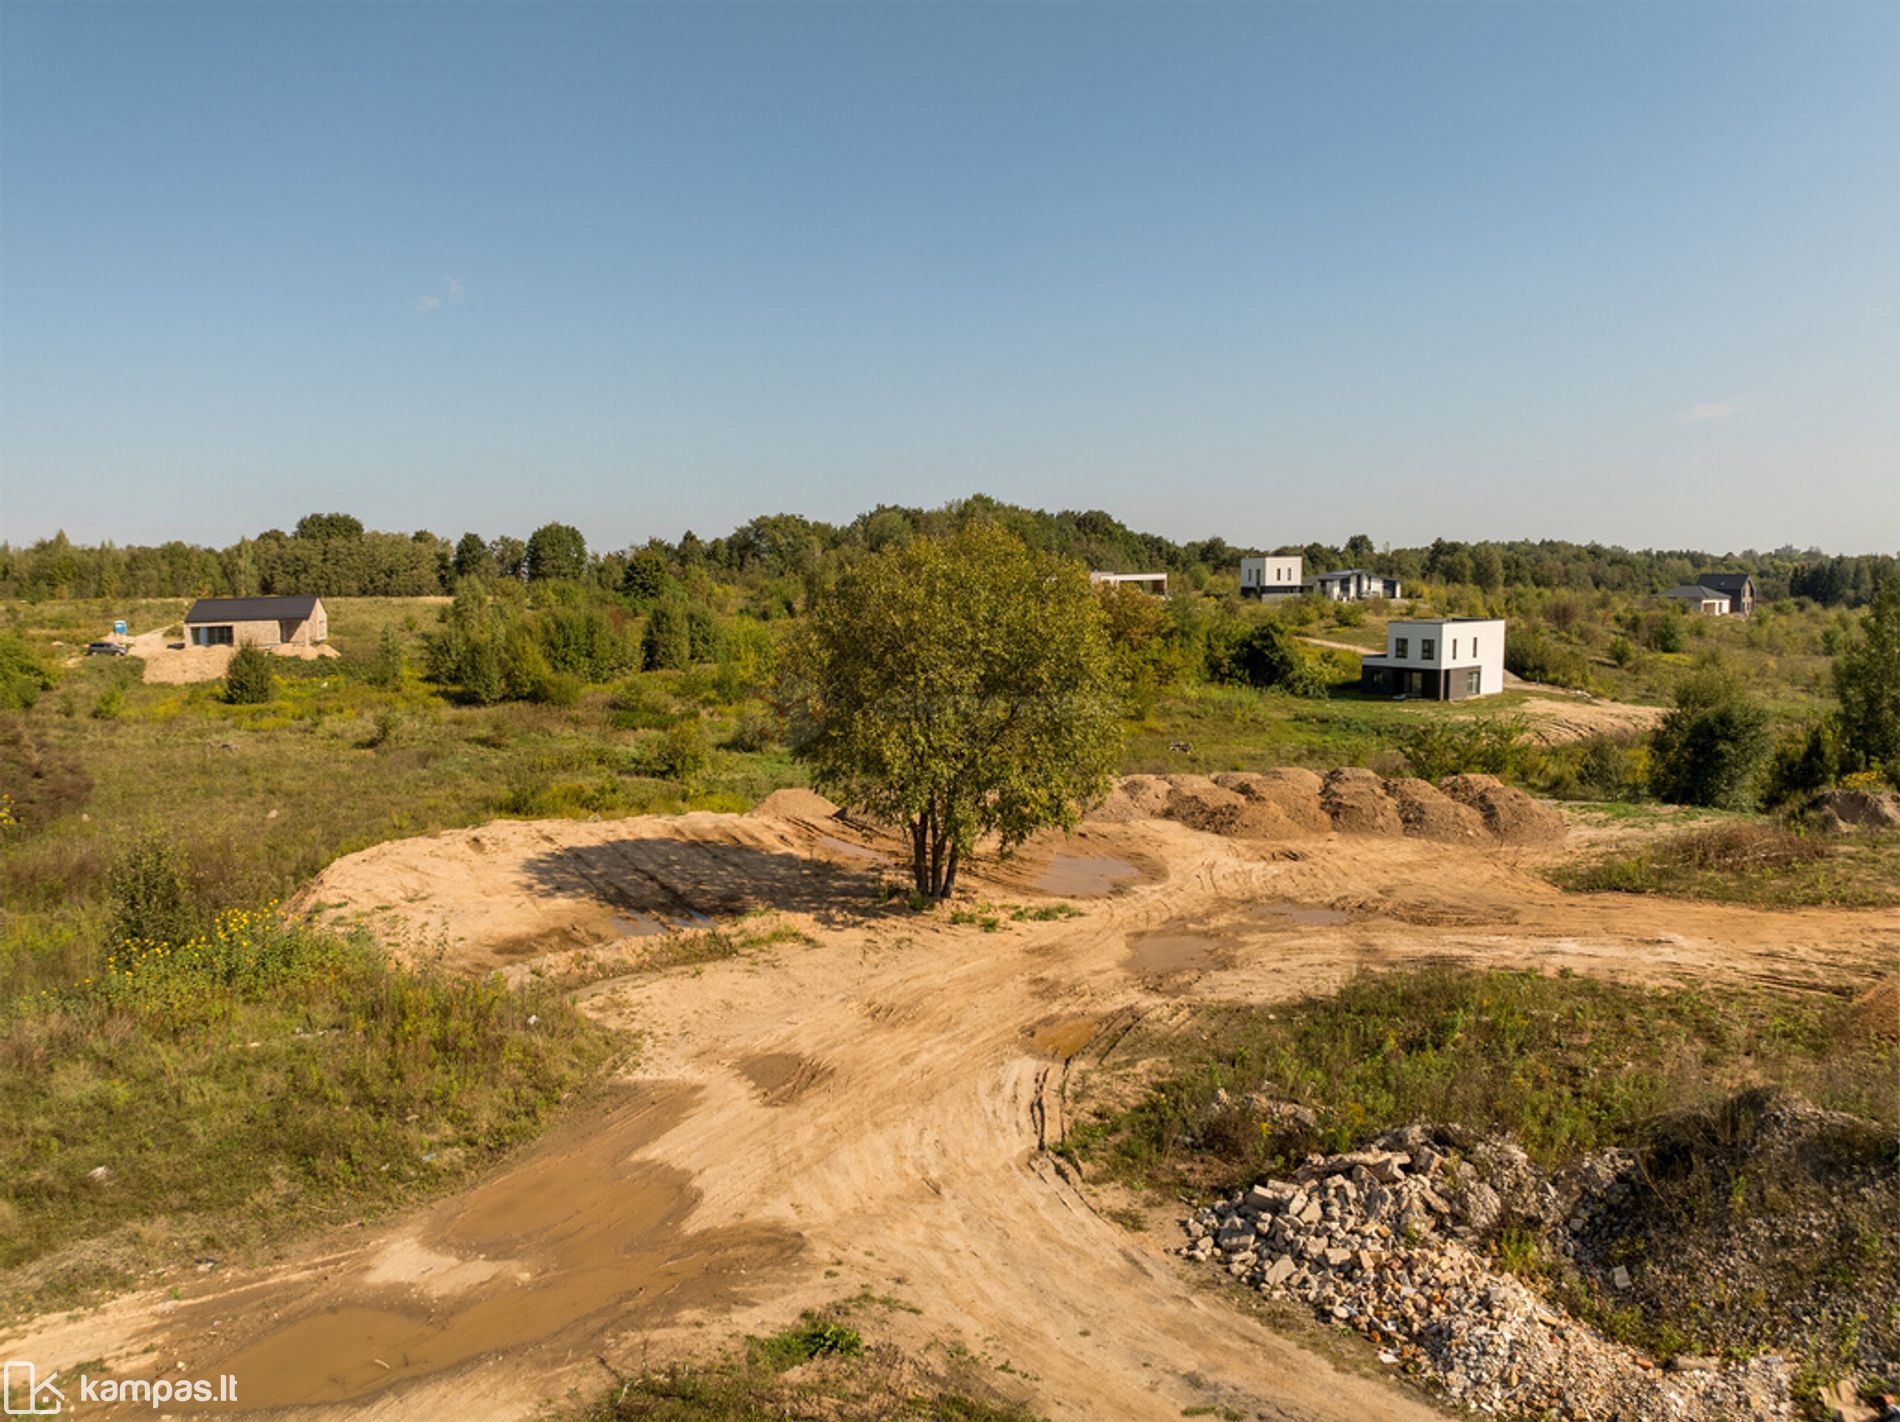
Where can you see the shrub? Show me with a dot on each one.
(667, 642)
(149, 895)
(1267, 657)
(1605, 769)
(756, 731)
(683, 753)
(1488, 745)
(110, 705)
(23, 675)
(1713, 747)
(1533, 654)
(640, 706)
(385, 668)
(248, 680)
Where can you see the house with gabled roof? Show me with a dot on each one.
(257, 622)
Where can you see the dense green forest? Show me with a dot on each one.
(779, 562)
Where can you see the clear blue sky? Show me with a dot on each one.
(1280, 273)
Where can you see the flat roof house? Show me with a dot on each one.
(1271, 577)
(1354, 585)
(257, 622)
(1156, 583)
(1438, 659)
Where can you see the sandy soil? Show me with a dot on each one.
(870, 1110)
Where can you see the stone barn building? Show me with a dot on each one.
(257, 622)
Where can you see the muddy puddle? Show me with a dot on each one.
(1082, 876)
(580, 1233)
(1063, 1039)
(780, 1078)
(1310, 915)
(1168, 951)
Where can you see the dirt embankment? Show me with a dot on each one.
(1280, 804)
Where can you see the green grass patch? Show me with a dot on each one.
(251, 1082)
(1749, 863)
(1566, 1064)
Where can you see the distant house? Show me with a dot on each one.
(1717, 594)
(1156, 583)
(1696, 598)
(1354, 585)
(1438, 659)
(1738, 588)
(1270, 577)
(257, 622)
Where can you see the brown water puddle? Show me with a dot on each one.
(1065, 1038)
(1173, 950)
(781, 1078)
(1082, 876)
(1308, 914)
(590, 1238)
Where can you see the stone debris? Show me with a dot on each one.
(1383, 1242)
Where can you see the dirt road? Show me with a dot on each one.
(866, 1109)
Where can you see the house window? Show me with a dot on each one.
(1474, 646)
(1427, 647)
(1473, 678)
(213, 636)
(1401, 647)
(1454, 649)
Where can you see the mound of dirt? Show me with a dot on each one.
(1200, 803)
(1852, 811)
(795, 804)
(1355, 800)
(1876, 1012)
(1508, 813)
(1427, 812)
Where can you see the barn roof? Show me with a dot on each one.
(1723, 582)
(251, 609)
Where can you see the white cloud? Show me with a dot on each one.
(1713, 410)
(454, 290)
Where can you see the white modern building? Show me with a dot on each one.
(1156, 583)
(1270, 577)
(1438, 659)
(1355, 585)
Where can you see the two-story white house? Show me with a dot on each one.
(1270, 577)
(1438, 659)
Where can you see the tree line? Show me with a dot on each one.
(784, 561)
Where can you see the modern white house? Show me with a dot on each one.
(1438, 659)
(1270, 577)
(1156, 583)
(1354, 585)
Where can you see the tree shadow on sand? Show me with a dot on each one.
(683, 881)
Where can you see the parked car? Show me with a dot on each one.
(106, 649)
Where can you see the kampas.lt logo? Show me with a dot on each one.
(27, 1394)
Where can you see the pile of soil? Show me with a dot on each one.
(1288, 803)
(1429, 813)
(1356, 801)
(795, 804)
(1853, 811)
(1876, 1012)
(1509, 814)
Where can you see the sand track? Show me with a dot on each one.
(869, 1111)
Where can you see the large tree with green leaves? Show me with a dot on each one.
(1867, 680)
(957, 687)
(555, 550)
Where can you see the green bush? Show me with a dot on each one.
(149, 895)
(683, 753)
(1714, 746)
(384, 670)
(248, 681)
(23, 674)
(1486, 745)
(667, 642)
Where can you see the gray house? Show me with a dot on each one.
(257, 622)
(1717, 594)
(1353, 585)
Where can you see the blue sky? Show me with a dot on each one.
(1274, 272)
